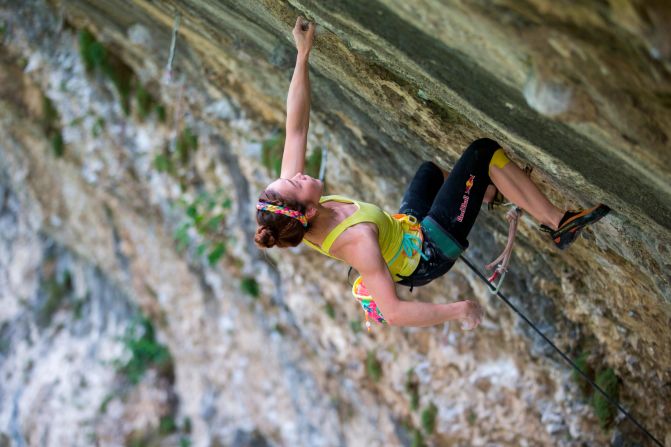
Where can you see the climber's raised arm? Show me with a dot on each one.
(298, 103)
(366, 258)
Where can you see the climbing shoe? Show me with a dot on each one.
(574, 221)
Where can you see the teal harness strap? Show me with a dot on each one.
(442, 238)
(410, 244)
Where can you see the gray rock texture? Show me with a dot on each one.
(98, 191)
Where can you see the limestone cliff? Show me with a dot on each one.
(136, 310)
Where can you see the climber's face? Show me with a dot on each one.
(301, 188)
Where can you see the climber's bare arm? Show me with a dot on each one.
(366, 258)
(298, 103)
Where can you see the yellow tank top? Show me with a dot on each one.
(390, 235)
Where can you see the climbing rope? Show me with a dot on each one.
(561, 353)
(171, 56)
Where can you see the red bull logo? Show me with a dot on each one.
(462, 209)
(469, 184)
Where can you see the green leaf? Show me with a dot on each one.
(182, 236)
(162, 163)
(250, 287)
(57, 144)
(313, 163)
(214, 223)
(608, 382)
(201, 249)
(192, 211)
(160, 113)
(216, 254)
(429, 418)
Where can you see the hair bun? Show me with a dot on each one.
(265, 237)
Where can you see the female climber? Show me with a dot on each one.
(413, 247)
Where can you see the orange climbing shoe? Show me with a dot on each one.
(574, 221)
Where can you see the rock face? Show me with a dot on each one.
(136, 309)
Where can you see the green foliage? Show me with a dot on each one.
(160, 112)
(606, 379)
(78, 309)
(314, 162)
(57, 292)
(187, 142)
(429, 418)
(205, 216)
(57, 144)
(373, 367)
(356, 326)
(271, 153)
(98, 127)
(50, 118)
(585, 367)
(145, 351)
(186, 425)
(330, 310)
(163, 163)
(121, 76)
(472, 418)
(250, 287)
(103, 405)
(96, 57)
(167, 425)
(417, 439)
(49, 113)
(92, 52)
(606, 412)
(412, 388)
(216, 253)
(143, 101)
(175, 162)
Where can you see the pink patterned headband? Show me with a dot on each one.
(278, 209)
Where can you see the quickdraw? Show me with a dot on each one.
(495, 281)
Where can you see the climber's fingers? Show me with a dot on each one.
(303, 33)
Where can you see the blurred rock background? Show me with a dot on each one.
(135, 309)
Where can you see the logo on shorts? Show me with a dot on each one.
(462, 209)
(469, 184)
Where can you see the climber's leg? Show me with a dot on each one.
(422, 190)
(564, 227)
(517, 187)
(458, 201)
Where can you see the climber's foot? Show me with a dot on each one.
(574, 221)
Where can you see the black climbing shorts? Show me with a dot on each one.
(452, 203)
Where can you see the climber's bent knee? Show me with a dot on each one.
(499, 159)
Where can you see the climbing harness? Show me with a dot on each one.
(561, 353)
